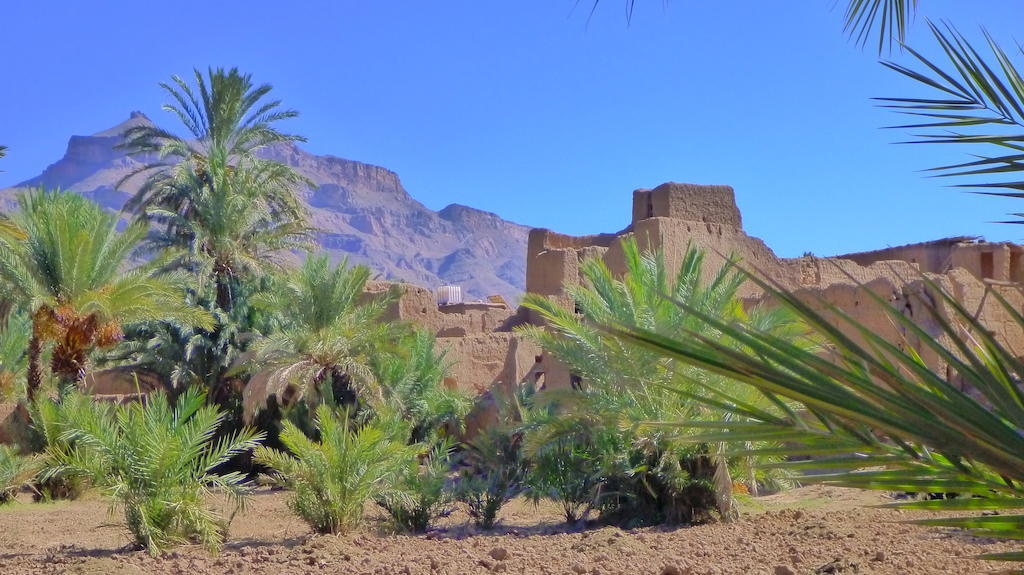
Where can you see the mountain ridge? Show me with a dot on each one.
(361, 210)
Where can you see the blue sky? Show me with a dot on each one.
(528, 110)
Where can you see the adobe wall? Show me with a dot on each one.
(488, 354)
(477, 336)
(674, 216)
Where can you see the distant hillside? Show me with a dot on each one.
(362, 210)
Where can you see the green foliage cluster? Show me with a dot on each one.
(878, 414)
(157, 461)
(623, 427)
(332, 479)
(422, 493)
(16, 470)
(495, 472)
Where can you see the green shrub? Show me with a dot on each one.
(422, 493)
(494, 474)
(52, 434)
(622, 394)
(334, 478)
(156, 461)
(15, 471)
(567, 473)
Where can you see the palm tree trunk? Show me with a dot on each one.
(723, 484)
(223, 293)
(35, 372)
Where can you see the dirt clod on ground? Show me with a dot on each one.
(808, 531)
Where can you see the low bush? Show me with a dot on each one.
(334, 478)
(51, 434)
(422, 494)
(495, 472)
(567, 473)
(156, 460)
(15, 472)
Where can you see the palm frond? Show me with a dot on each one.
(334, 478)
(978, 102)
(621, 386)
(884, 417)
(155, 460)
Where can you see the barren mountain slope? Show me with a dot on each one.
(362, 211)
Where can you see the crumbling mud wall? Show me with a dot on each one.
(478, 337)
(674, 216)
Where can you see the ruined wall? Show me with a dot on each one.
(674, 216)
(487, 353)
(478, 336)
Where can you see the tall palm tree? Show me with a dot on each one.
(69, 274)
(229, 121)
(621, 384)
(230, 232)
(212, 193)
(326, 333)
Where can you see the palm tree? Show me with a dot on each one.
(334, 477)
(411, 377)
(230, 232)
(157, 460)
(880, 417)
(213, 194)
(622, 384)
(229, 121)
(326, 333)
(69, 274)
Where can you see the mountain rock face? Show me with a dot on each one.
(362, 212)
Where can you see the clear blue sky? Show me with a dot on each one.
(524, 109)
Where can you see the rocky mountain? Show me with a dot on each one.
(362, 211)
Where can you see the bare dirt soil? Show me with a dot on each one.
(811, 530)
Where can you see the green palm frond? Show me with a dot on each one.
(9, 229)
(228, 119)
(157, 461)
(70, 271)
(326, 333)
(889, 20)
(412, 380)
(15, 471)
(881, 416)
(978, 102)
(332, 480)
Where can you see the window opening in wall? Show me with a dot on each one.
(988, 266)
(1015, 270)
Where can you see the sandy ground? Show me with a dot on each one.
(810, 530)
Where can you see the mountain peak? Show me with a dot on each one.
(461, 212)
(136, 118)
(361, 210)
